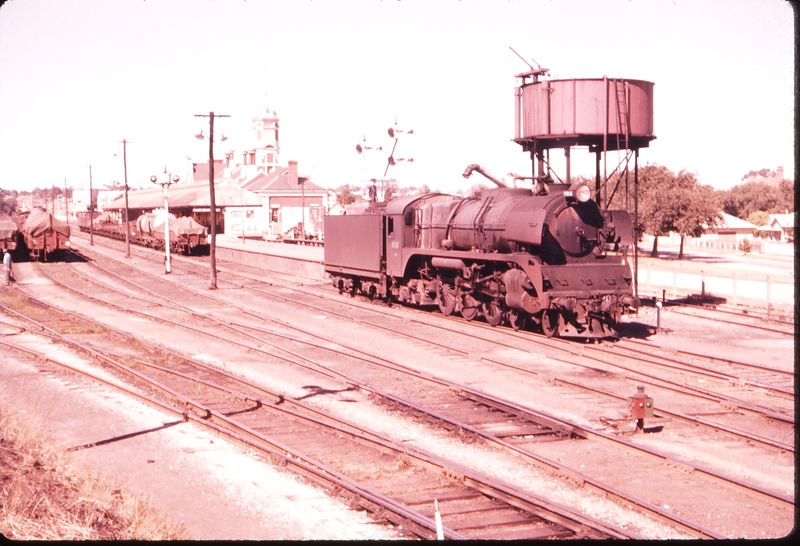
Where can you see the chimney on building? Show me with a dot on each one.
(292, 174)
(779, 173)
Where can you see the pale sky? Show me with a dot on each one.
(79, 76)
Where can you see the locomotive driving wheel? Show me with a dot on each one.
(492, 311)
(469, 307)
(446, 298)
(515, 319)
(551, 322)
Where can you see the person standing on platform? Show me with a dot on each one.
(7, 265)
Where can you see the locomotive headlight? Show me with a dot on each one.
(583, 193)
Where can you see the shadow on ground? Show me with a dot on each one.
(635, 330)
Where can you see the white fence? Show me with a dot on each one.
(738, 288)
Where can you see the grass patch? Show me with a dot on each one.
(47, 493)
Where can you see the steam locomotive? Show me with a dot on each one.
(547, 258)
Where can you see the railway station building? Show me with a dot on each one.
(238, 211)
(255, 195)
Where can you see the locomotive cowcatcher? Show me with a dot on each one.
(547, 257)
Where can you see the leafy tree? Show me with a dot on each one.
(763, 173)
(745, 246)
(787, 195)
(8, 203)
(390, 189)
(758, 218)
(698, 206)
(345, 195)
(670, 202)
(744, 199)
(403, 191)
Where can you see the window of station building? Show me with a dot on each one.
(273, 215)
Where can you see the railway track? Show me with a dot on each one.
(772, 322)
(392, 481)
(728, 401)
(677, 384)
(679, 464)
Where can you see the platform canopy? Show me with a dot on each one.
(189, 195)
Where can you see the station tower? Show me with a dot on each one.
(265, 153)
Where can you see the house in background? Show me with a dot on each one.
(238, 211)
(729, 229)
(286, 200)
(290, 201)
(780, 227)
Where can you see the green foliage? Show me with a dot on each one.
(744, 246)
(390, 189)
(763, 173)
(758, 218)
(8, 204)
(747, 198)
(8, 201)
(671, 201)
(345, 195)
(668, 201)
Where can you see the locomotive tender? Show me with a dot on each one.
(547, 256)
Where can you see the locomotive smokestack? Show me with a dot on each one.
(475, 167)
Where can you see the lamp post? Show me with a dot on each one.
(165, 185)
(213, 203)
(127, 216)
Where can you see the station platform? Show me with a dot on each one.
(294, 259)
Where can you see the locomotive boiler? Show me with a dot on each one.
(547, 257)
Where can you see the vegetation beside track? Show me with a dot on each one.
(47, 493)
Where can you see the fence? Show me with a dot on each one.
(743, 288)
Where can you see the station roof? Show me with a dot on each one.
(189, 195)
(277, 182)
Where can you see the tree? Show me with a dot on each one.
(787, 195)
(672, 202)
(762, 173)
(745, 246)
(345, 195)
(744, 199)
(8, 203)
(758, 218)
(698, 206)
(390, 189)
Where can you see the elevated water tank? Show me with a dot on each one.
(559, 113)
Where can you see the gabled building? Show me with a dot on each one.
(239, 211)
(780, 227)
(294, 205)
(729, 229)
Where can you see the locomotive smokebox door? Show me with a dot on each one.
(641, 404)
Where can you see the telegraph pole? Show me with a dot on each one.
(66, 203)
(212, 200)
(127, 219)
(91, 209)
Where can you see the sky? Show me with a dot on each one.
(77, 77)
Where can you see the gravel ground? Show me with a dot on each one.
(221, 490)
(216, 488)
